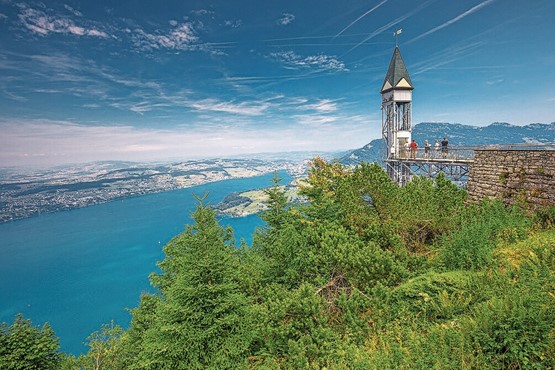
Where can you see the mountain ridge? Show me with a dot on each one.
(460, 135)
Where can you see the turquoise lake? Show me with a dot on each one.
(80, 269)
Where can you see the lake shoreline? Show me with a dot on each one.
(80, 269)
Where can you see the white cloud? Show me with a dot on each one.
(74, 11)
(80, 31)
(140, 108)
(321, 62)
(3, 16)
(46, 142)
(243, 108)
(12, 95)
(322, 106)
(76, 76)
(495, 82)
(154, 100)
(233, 23)
(96, 33)
(41, 23)
(315, 120)
(286, 18)
(202, 12)
(180, 37)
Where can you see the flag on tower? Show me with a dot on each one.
(397, 33)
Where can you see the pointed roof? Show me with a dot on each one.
(397, 76)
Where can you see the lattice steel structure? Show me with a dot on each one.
(400, 161)
(454, 163)
(396, 116)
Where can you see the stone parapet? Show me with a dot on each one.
(513, 175)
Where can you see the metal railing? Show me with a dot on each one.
(451, 153)
(461, 153)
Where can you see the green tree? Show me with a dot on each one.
(105, 351)
(277, 203)
(275, 217)
(27, 347)
(143, 318)
(296, 330)
(202, 318)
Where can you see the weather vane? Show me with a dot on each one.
(396, 34)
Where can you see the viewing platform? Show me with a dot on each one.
(453, 154)
(454, 162)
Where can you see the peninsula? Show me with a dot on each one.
(253, 201)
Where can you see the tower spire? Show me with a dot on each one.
(397, 76)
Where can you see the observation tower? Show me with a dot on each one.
(397, 116)
(400, 160)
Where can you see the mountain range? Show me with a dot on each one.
(460, 135)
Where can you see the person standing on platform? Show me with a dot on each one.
(413, 149)
(427, 147)
(444, 147)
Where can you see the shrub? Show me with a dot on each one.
(513, 331)
(545, 217)
(438, 295)
(471, 246)
(295, 329)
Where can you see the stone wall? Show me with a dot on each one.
(513, 175)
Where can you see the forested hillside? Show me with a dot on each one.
(367, 275)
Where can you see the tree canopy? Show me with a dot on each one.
(27, 347)
(364, 275)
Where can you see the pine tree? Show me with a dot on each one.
(26, 347)
(202, 319)
(277, 204)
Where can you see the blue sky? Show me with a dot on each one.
(142, 80)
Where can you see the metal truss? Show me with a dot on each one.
(403, 170)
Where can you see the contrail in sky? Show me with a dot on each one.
(447, 56)
(391, 24)
(362, 16)
(450, 22)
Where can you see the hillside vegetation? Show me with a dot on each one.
(367, 275)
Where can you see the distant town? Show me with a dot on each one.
(24, 195)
